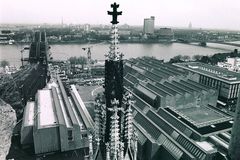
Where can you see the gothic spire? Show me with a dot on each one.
(115, 130)
(128, 117)
(111, 120)
(114, 53)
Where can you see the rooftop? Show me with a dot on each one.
(84, 114)
(46, 110)
(159, 130)
(62, 111)
(205, 145)
(176, 88)
(201, 116)
(146, 92)
(212, 71)
(29, 110)
(167, 89)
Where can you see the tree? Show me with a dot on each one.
(176, 59)
(218, 58)
(205, 59)
(185, 58)
(82, 60)
(234, 53)
(4, 63)
(73, 60)
(197, 57)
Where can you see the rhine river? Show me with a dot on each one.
(12, 53)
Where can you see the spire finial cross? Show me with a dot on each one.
(114, 13)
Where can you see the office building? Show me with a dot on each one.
(148, 26)
(226, 82)
(165, 34)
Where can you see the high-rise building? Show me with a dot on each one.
(148, 26)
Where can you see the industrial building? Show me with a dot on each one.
(56, 120)
(163, 85)
(174, 134)
(148, 26)
(226, 82)
(165, 34)
(175, 117)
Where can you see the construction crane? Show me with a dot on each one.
(89, 57)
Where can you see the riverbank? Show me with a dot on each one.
(140, 41)
(63, 51)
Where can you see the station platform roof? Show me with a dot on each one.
(46, 111)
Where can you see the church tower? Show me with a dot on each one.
(114, 137)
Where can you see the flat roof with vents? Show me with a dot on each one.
(211, 71)
(201, 116)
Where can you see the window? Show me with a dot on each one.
(84, 135)
(198, 101)
(70, 135)
(237, 90)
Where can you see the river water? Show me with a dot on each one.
(12, 53)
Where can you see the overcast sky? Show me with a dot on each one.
(220, 14)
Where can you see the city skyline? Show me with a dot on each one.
(217, 14)
(163, 93)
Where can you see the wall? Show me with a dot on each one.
(46, 140)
